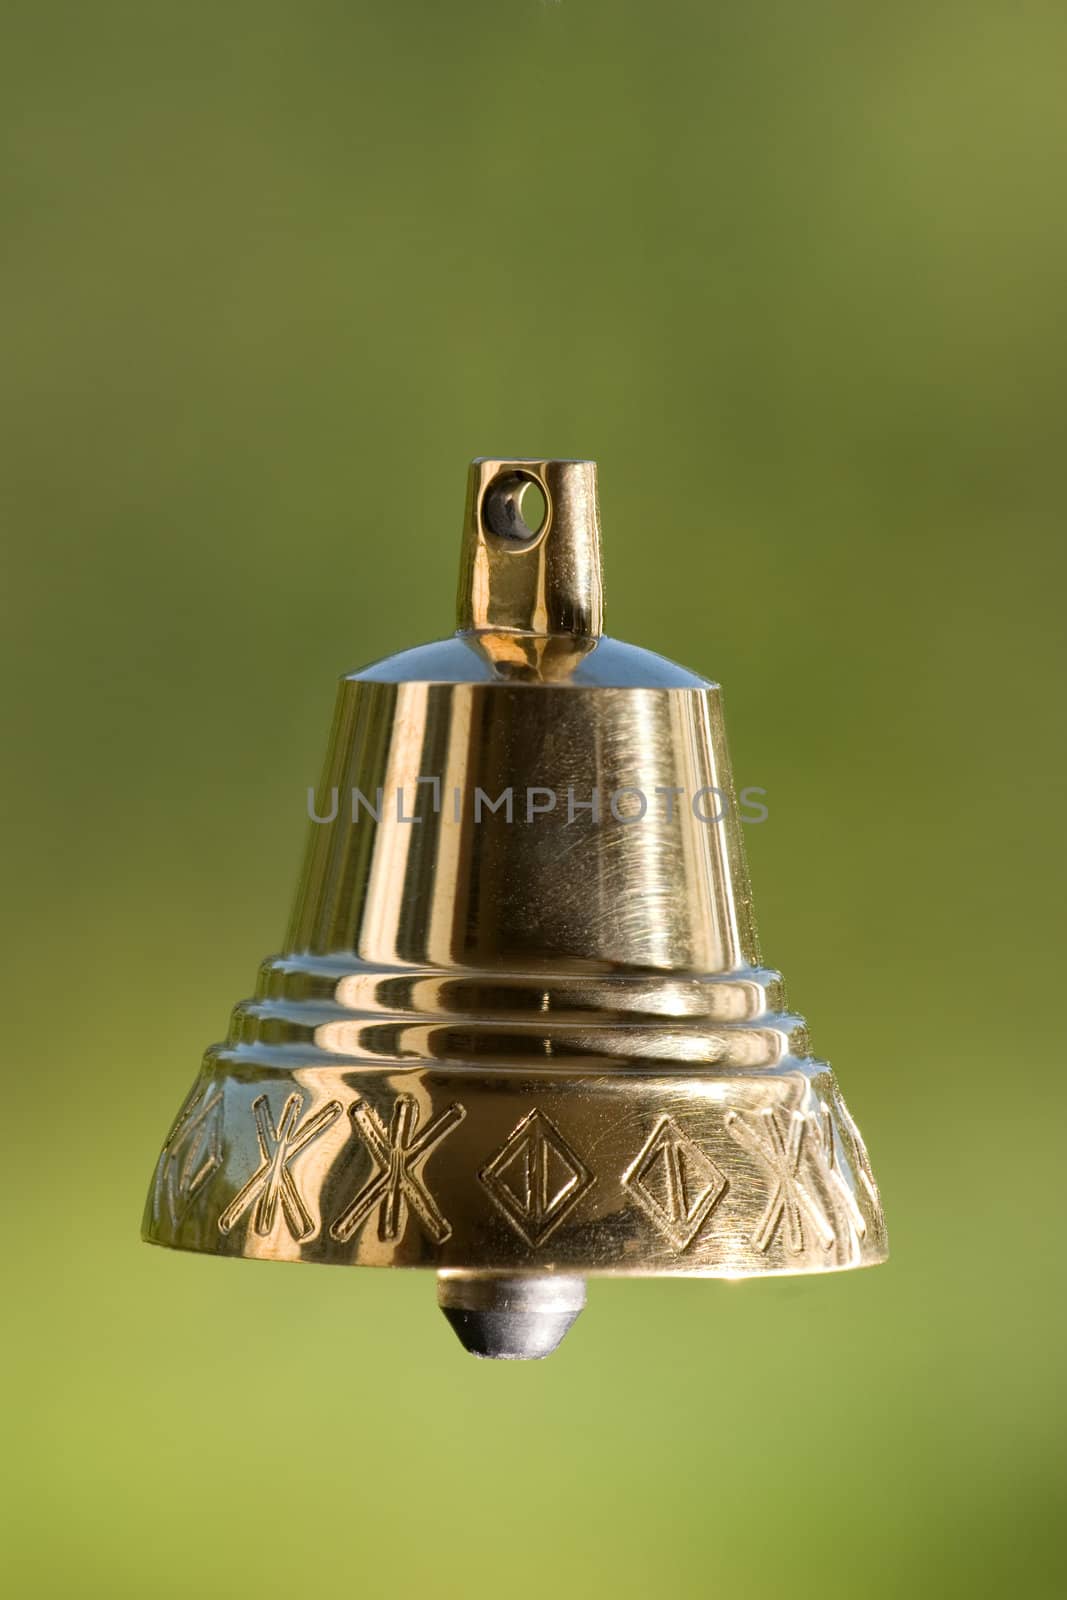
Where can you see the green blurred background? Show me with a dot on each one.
(795, 276)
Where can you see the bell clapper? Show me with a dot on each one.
(510, 1318)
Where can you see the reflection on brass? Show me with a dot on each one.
(519, 1031)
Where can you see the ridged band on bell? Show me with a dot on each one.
(520, 1022)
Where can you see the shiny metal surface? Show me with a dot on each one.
(510, 1318)
(516, 580)
(527, 1035)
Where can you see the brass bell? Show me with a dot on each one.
(519, 1032)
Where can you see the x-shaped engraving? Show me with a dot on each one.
(783, 1150)
(822, 1129)
(861, 1161)
(273, 1181)
(398, 1154)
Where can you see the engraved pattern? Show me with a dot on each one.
(778, 1140)
(842, 1194)
(191, 1156)
(273, 1181)
(861, 1161)
(536, 1179)
(397, 1155)
(676, 1185)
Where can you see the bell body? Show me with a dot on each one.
(520, 1029)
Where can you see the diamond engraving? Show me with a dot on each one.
(675, 1183)
(536, 1179)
